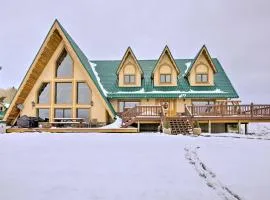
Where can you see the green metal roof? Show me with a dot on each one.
(107, 73)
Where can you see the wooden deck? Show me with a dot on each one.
(229, 113)
(73, 130)
(215, 113)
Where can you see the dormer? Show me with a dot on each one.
(201, 71)
(129, 71)
(165, 72)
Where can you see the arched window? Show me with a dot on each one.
(165, 73)
(202, 74)
(129, 74)
(44, 93)
(64, 66)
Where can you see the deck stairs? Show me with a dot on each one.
(180, 125)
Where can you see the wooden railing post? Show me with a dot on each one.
(251, 109)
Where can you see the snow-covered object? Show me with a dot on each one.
(132, 166)
(2, 127)
(258, 128)
(142, 91)
(116, 124)
(93, 66)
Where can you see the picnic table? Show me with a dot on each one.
(66, 122)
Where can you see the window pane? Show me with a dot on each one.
(126, 77)
(132, 78)
(198, 78)
(62, 113)
(63, 93)
(162, 78)
(204, 78)
(131, 104)
(43, 113)
(44, 93)
(168, 78)
(121, 106)
(64, 68)
(83, 113)
(83, 93)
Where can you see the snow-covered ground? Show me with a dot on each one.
(133, 166)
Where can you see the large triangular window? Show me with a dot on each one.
(64, 66)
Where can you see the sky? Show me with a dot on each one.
(236, 32)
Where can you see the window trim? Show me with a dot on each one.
(165, 75)
(129, 75)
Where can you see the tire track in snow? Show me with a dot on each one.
(210, 177)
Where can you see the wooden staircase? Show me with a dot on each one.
(180, 125)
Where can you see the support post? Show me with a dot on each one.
(209, 126)
(246, 128)
(239, 127)
(251, 109)
(138, 128)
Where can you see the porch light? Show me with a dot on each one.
(92, 103)
(33, 104)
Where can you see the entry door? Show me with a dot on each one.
(171, 106)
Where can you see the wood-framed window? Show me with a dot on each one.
(129, 78)
(83, 113)
(43, 94)
(202, 78)
(64, 66)
(62, 113)
(43, 113)
(83, 93)
(63, 93)
(124, 105)
(165, 78)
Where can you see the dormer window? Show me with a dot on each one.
(202, 72)
(129, 79)
(201, 78)
(165, 78)
(129, 71)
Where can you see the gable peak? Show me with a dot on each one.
(129, 52)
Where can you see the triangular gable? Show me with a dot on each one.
(48, 47)
(165, 51)
(203, 51)
(128, 53)
(56, 34)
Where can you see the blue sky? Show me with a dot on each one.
(236, 32)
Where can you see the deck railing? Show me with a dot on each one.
(250, 110)
(142, 111)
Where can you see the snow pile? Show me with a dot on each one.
(259, 128)
(116, 124)
(93, 66)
